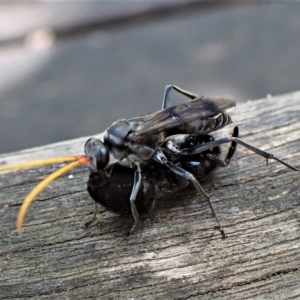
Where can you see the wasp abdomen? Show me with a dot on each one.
(221, 120)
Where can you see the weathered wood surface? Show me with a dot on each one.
(176, 252)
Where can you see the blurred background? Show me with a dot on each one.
(69, 69)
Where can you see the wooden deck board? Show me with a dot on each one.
(176, 252)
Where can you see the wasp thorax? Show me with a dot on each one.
(116, 135)
(98, 154)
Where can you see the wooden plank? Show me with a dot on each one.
(176, 252)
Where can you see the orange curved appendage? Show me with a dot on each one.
(38, 163)
(81, 160)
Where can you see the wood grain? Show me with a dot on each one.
(176, 252)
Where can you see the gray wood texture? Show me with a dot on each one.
(176, 252)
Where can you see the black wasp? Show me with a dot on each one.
(113, 190)
(139, 155)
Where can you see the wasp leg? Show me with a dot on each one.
(135, 189)
(166, 102)
(160, 157)
(232, 148)
(265, 154)
(189, 176)
(219, 162)
(93, 219)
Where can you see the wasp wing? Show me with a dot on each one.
(200, 109)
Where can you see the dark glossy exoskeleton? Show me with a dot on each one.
(172, 137)
(112, 188)
(113, 191)
(202, 164)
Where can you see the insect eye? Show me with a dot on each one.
(102, 157)
(97, 152)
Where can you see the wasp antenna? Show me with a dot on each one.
(37, 163)
(81, 160)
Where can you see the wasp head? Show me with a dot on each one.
(97, 153)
